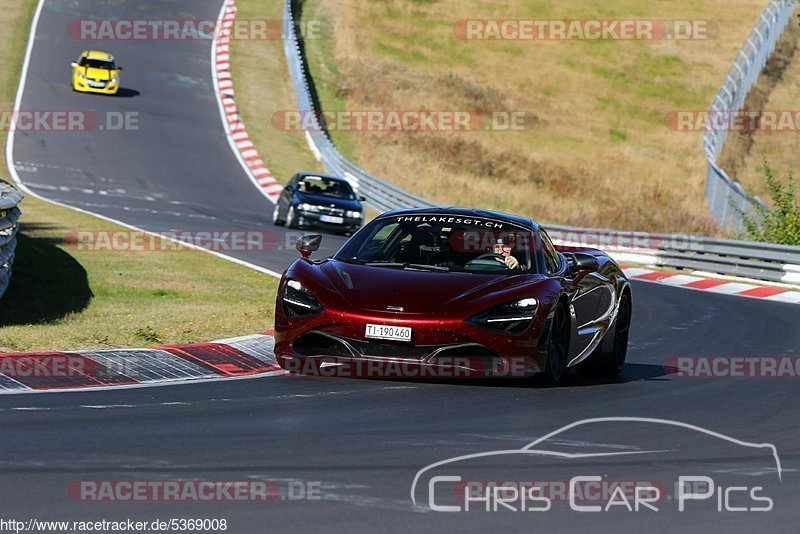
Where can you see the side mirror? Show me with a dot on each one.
(362, 198)
(119, 68)
(73, 64)
(580, 261)
(289, 188)
(308, 243)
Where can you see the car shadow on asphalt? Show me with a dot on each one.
(125, 92)
(46, 282)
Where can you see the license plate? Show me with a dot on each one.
(331, 219)
(395, 333)
(93, 83)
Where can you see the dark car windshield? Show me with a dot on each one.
(97, 64)
(443, 243)
(318, 185)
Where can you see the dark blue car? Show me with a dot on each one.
(315, 200)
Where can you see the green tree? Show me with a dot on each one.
(779, 223)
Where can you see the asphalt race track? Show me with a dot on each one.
(176, 171)
(360, 443)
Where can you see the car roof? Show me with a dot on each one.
(465, 212)
(99, 54)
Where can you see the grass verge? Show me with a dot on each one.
(261, 80)
(61, 298)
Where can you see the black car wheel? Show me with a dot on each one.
(276, 216)
(556, 364)
(610, 362)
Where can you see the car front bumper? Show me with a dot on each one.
(334, 344)
(309, 219)
(83, 86)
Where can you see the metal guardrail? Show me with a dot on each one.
(761, 261)
(9, 217)
(721, 190)
(747, 259)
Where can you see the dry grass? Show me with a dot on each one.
(595, 150)
(776, 90)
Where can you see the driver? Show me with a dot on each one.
(503, 255)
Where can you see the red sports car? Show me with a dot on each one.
(451, 292)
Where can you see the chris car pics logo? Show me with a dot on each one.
(451, 485)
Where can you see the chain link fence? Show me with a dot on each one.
(723, 193)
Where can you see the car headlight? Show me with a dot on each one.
(299, 301)
(308, 207)
(81, 75)
(353, 214)
(512, 317)
(115, 78)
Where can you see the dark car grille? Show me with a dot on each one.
(337, 212)
(318, 344)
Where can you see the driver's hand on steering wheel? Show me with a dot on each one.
(511, 262)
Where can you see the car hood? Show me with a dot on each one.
(97, 74)
(321, 200)
(376, 288)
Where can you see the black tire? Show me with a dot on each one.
(558, 347)
(609, 363)
(291, 218)
(276, 219)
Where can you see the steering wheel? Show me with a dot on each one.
(490, 255)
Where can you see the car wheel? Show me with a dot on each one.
(276, 216)
(558, 351)
(291, 218)
(610, 362)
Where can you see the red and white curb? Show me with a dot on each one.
(241, 357)
(235, 129)
(713, 285)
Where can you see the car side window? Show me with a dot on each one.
(551, 260)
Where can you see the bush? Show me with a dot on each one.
(781, 222)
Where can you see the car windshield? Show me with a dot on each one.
(443, 243)
(97, 64)
(317, 185)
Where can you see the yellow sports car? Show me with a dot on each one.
(95, 72)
